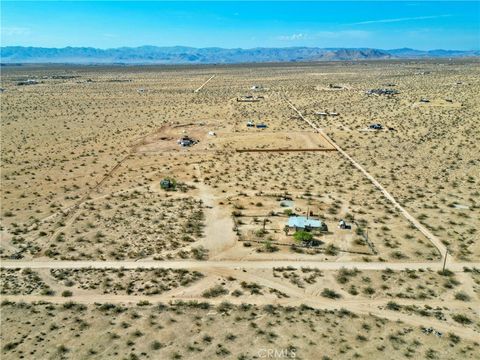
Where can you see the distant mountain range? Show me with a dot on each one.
(189, 55)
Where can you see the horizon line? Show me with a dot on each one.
(232, 48)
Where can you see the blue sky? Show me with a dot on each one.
(386, 25)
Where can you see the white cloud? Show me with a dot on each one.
(350, 34)
(292, 37)
(14, 31)
(400, 19)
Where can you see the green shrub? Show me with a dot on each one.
(215, 291)
(67, 293)
(328, 293)
(462, 319)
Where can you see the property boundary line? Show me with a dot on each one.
(284, 150)
(441, 248)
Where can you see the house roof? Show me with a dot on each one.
(303, 222)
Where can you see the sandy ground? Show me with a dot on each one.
(82, 162)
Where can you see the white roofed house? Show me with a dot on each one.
(300, 223)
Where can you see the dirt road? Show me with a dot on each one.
(230, 264)
(219, 233)
(205, 83)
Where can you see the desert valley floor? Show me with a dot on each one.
(144, 211)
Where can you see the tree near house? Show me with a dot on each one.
(302, 236)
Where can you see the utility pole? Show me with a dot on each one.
(445, 260)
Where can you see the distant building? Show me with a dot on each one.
(27, 82)
(249, 98)
(335, 86)
(324, 113)
(305, 223)
(262, 126)
(389, 92)
(185, 141)
(343, 225)
(167, 184)
(375, 126)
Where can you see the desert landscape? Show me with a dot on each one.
(323, 210)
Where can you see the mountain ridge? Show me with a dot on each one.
(148, 54)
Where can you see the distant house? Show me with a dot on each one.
(262, 126)
(249, 98)
(167, 184)
(185, 141)
(388, 92)
(343, 225)
(305, 223)
(335, 86)
(250, 124)
(27, 82)
(375, 126)
(324, 113)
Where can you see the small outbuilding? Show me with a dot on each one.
(249, 98)
(335, 86)
(375, 126)
(343, 225)
(185, 141)
(168, 184)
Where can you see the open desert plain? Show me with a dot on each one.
(312, 211)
